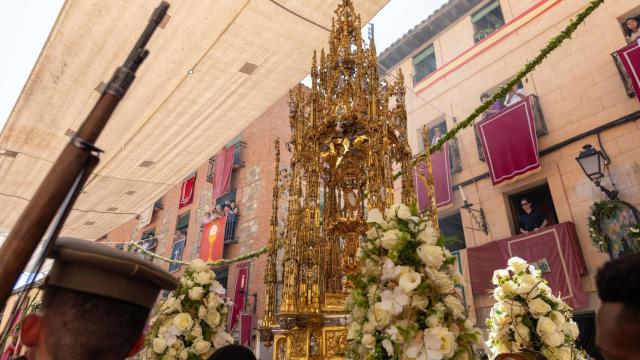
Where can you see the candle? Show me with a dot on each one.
(464, 198)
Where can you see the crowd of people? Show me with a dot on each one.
(230, 211)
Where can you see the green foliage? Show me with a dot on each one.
(601, 209)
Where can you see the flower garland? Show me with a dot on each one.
(599, 210)
(190, 323)
(528, 317)
(553, 44)
(403, 303)
(221, 262)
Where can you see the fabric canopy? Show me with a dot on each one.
(558, 245)
(509, 142)
(214, 68)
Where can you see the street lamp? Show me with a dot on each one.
(593, 162)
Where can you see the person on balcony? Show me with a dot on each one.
(437, 134)
(631, 28)
(530, 219)
(514, 96)
(206, 218)
(493, 109)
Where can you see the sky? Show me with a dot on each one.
(25, 25)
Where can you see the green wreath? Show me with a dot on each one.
(599, 210)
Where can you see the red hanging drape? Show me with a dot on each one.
(224, 167)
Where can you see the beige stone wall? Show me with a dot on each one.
(579, 89)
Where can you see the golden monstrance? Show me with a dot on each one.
(349, 133)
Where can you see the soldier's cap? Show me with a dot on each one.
(89, 267)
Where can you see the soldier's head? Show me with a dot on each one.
(95, 304)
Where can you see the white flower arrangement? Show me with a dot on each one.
(528, 317)
(190, 323)
(403, 303)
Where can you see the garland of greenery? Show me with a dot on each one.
(553, 44)
(243, 257)
(599, 210)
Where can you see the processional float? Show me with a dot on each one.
(349, 133)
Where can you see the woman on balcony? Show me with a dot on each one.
(514, 96)
(531, 219)
(631, 28)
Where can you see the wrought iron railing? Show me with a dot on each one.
(626, 79)
(238, 160)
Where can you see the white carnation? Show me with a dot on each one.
(455, 305)
(517, 265)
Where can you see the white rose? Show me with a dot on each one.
(428, 236)
(196, 331)
(203, 278)
(369, 341)
(538, 307)
(443, 282)
(409, 281)
(499, 275)
(354, 331)
(390, 238)
(213, 318)
(159, 345)
(184, 354)
(201, 347)
(508, 288)
(403, 212)
(511, 307)
(170, 354)
(571, 329)
(221, 339)
(557, 318)
(522, 333)
(455, 305)
(375, 216)
(183, 322)
(368, 327)
(517, 265)
(196, 293)
(388, 346)
(545, 326)
(433, 321)
(527, 286)
(380, 315)
(202, 312)
(563, 353)
(199, 265)
(430, 255)
(554, 338)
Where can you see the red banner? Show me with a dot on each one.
(554, 248)
(509, 142)
(186, 192)
(212, 241)
(246, 323)
(240, 293)
(441, 178)
(630, 58)
(222, 177)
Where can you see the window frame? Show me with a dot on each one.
(482, 33)
(424, 54)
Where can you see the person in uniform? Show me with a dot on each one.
(95, 304)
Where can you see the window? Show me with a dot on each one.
(453, 232)
(487, 20)
(435, 132)
(424, 64)
(183, 222)
(540, 200)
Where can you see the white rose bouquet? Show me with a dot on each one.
(528, 317)
(403, 303)
(190, 323)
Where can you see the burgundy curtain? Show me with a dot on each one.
(224, 167)
(441, 179)
(240, 293)
(630, 58)
(509, 142)
(186, 192)
(557, 244)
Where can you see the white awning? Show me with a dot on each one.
(189, 99)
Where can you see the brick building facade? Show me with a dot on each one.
(251, 182)
(468, 48)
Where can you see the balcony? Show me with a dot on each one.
(238, 160)
(230, 229)
(624, 76)
(541, 125)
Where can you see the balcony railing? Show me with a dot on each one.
(538, 119)
(238, 160)
(230, 229)
(626, 80)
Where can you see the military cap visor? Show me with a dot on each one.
(92, 268)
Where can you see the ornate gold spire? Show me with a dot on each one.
(348, 132)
